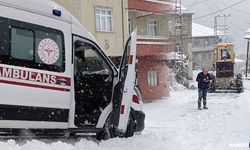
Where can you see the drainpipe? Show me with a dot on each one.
(123, 21)
(247, 56)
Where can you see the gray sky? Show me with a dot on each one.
(239, 21)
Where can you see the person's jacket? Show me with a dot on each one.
(203, 80)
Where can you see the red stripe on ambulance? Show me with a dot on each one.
(34, 86)
(36, 77)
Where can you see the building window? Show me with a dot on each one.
(171, 27)
(130, 26)
(104, 19)
(152, 78)
(153, 28)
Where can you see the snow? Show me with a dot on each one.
(173, 56)
(171, 3)
(199, 30)
(237, 60)
(173, 123)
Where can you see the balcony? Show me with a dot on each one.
(153, 46)
(154, 6)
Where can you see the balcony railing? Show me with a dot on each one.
(153, 40)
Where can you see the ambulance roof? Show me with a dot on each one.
(42, 7)
(45, 8)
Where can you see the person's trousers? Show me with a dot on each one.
(202, 95)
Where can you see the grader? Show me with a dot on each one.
(225, 79)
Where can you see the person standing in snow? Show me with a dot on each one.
(203, 79)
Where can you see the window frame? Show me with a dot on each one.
(10, 43)
(106, 9)
(149, 25)
(32, 64)
(153, 78)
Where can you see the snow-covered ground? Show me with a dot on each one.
(174, 124)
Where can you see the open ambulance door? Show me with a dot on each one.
(123, 91)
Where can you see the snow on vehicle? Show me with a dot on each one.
(225, 79)
(56, 80)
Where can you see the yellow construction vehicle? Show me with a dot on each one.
(225, 79)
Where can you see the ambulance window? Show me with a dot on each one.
(4, 38)
(125, 60)
(88, 61)
(22, 43)
(49, 48)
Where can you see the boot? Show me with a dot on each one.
(205, 104)
(199, 104)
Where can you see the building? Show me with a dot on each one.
(203, 42)
(155, 21)
(107, 20)
(150, 19)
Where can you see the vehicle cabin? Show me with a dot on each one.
(225, 52)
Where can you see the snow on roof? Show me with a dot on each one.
(199, 30)
(237, 60)
(160, 2)
(248, 30)
(172, 56)
(248, 34)
(170, 3)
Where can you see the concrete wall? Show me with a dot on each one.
(111, 42)
(202, 48)
(202, 59)
(140, 21)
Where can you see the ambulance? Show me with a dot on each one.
(56, 81)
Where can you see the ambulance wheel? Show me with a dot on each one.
(107, 132)
(130, 128)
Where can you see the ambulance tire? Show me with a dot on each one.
(107, 132)
(130, 128)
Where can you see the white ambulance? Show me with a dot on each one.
(56, 80)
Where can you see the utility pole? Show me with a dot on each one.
(223, 27)
(215, 26)
(178, 27)
(248, 42)
(178, 66)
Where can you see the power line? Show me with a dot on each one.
(238, 10)
(210, 6)
(237, 27)
(241, 11)
(214, 4)
(234, 25)
(192, 3)
(240, 45)
(219, 10)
